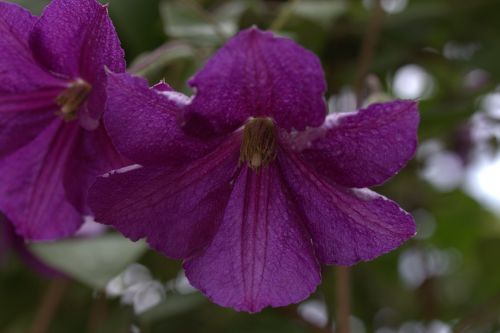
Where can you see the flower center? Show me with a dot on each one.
(258, 146)
(72, 98)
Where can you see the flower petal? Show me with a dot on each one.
(368, 147)
(142, 123)
(23, 116)
(257, 74)
(27, 92)
(261, 255)
(15, 25)
(32, 194)
(77, 39)
(92, 156)
(347, 226)
(177, 211)
(16, 22)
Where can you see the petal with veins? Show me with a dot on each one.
(261, 255)
(32, 193)
(347, 226)
(143, 124)
(367, 147)
(177, 210)
(258, 74)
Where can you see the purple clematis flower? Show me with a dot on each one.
(52, 95)
(248, 182)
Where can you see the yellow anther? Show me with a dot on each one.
(72, 98)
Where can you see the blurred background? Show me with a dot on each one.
(445, 53)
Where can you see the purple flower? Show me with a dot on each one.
(52, 95)
(248, 182)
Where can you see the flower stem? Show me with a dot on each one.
(98, 313)
(343, 292)
(370, 39)
(368, 46)
(49, 305)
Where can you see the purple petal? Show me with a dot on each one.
(142, 123)
(368, 147)
(27, 96)
(15, 21)
(257, 74)
(23, 116)
(92, 156)
(77, 39)
(261, 255)
(347, 226)
(32, 194)
(15, 25)
(177, 211)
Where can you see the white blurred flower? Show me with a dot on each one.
(314, 312)
(389, 6)
(412, 81)
(444, 170)
(491, 104)
(144, 296)
(133, 274)
(137, 288)
(416, 265)
(181, 284)
(437, 326)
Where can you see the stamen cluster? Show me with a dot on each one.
(259, 142)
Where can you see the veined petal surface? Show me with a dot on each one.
(23, 116)
(262, 254)
(76, 39)
(347, 225)
(365, 148)
(20, 71)
(177, 210)
(143, 123)
(92, 156)
(32, 194)
(257, 74)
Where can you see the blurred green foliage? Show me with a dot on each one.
(172, 39)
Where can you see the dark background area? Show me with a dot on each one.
(446, 53)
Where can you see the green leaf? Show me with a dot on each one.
(153, 64)
(189, 20)
(323, 12)
(93, 261)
